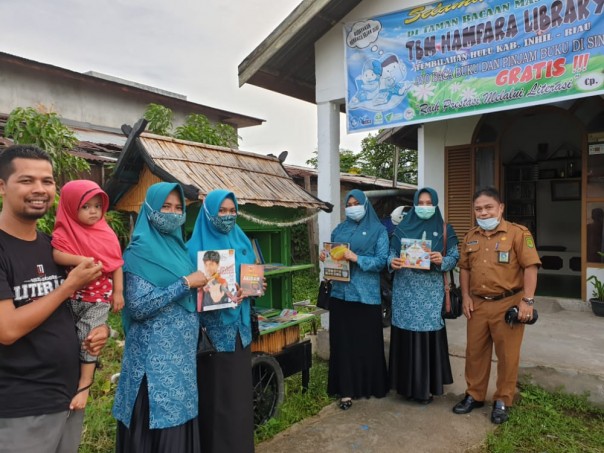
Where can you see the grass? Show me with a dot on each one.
(297, 404)
(100, 426)
(542, 421)
(550, 422)
(98, 435)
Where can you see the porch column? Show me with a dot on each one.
(328, 154)
(431, 158)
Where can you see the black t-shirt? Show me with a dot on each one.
(39, 372)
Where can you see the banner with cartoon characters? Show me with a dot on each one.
(456, 58)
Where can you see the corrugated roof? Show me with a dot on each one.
(254, 178)
(361, 180)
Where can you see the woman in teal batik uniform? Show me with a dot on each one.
(419, 352)
(357, 365)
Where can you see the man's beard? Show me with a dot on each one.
(33, 215)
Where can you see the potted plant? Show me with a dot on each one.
(597, 300)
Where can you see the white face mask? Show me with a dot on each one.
(488, 224)
(355, 213)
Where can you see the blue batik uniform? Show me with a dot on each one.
(160, 321)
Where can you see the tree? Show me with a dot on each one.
(197, 127)
(348, 161)
(377, 159)
(45, 130)
(159, 118)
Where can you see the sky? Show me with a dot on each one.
(184, 46)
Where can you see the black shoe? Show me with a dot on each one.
(466, 405)
(500, 413)
(345, 404)
(424, 401)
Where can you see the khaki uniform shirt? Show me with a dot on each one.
(496, 259)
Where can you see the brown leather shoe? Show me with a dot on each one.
(467, 405)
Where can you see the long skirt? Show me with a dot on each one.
(357, 364)
(419, 363)
(140, 439)
(226, 414)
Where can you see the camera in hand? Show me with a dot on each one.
(511, 316)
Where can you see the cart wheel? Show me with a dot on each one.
(267, 379)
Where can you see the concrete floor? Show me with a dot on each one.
(565, 348)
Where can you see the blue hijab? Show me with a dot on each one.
(159, 258)
(205, 236)
(412, 227)
(363, 235)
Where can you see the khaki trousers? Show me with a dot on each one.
(487, 328)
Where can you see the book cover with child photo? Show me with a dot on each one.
(219, 268)
(415, 253)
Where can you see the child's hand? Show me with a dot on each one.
(117, 301)
(238, 296)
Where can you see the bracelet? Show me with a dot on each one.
(187, 282)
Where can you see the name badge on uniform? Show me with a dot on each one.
(504, 257)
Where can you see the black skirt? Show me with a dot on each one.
(140, 439)
(357, 364)
(226, 414)
(419, 363)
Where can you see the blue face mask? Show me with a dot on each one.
(165, 222)
(224, 223)
(425, 212)
(488, 224)
(355, 213)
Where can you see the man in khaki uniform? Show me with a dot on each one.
(499, 264)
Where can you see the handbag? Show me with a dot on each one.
(324, 294)
(205, 345)
(452, 300)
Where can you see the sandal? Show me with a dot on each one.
(345, 404)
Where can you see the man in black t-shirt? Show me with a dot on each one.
(38, 343)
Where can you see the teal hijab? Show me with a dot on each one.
(363, 235)
(159, 258)
(205, 236)
(412, 227)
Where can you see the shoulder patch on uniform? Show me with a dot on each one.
(528, 239)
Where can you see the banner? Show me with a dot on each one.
(457, 58)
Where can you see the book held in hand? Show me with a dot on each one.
(251, 277)
(415, 253)
(335, 266)
(220, 290)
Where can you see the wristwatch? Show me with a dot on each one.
(528, 300)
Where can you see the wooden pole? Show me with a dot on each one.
(311, 224)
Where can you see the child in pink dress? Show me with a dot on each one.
(80, 232)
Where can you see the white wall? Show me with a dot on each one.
(331, 87)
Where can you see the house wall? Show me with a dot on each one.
(331, 87)
(94, 101)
